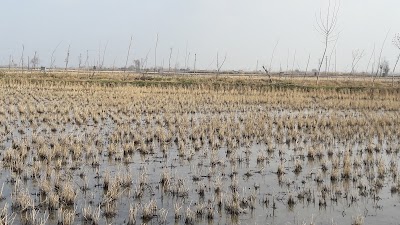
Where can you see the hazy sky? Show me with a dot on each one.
(246, 31)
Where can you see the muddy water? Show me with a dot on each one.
(263, 193)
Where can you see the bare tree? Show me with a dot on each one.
(272, 56)
(195, 60)
(113, 66)
(87, 59)
(396, 42)
(187, 63)
(369, 61)
(186, 55)
(127, 56)
(287, 61)
(219, 66)
(143, 62)
(169, 61)
(384, 68)
(379, 59)
(333, 51)
(162, 67)
(9, 62)
(155, 54)
(335, 60)
(79, 61)
(256, 71)
(22, 58)
(356, 57)
(52, 59)
(67, 58)
(326, 65)
(137, 64)
(294, 60)
(99, 57)
(308, 62)
(176, 61)
(13, 62)
(267, 72)
(326, 26)
(35, 61)
(104, 53)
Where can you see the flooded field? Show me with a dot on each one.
(94, 153)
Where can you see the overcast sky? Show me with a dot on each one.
(246, 31)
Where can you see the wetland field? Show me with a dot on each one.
(116, 149)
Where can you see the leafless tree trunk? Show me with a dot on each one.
(394, 68)
(395, 65)
(294, 60)
(176, 62)
(13, 62)
(186, 55)
(113, 68)
(330, 56)
(369, 61)
(87, 60)
(356, 57)
(219, 66)
(379, 59)
(9, 63)
(52, 59)
(34, 60)
(104, 54)
(267, 72)
(256, 71)
(99, 57)
(194, 66)
(143, 64)
(162, 67)
(79, 62)
(93, 68)
(272, 56)
(169, 61)
(308, 62)
(396, 42)
(326, 66)
(22, 59)
(127, 56)
(335, 61)
(373, 65)
(67, 58)
(187, 63)
(327, 26)
(155, 54)
(287, 61)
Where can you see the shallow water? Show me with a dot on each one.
(262, 193)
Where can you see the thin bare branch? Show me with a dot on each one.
(327, 27)
(272, 57)
(127, 56)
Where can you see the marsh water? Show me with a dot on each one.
(248, 170)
